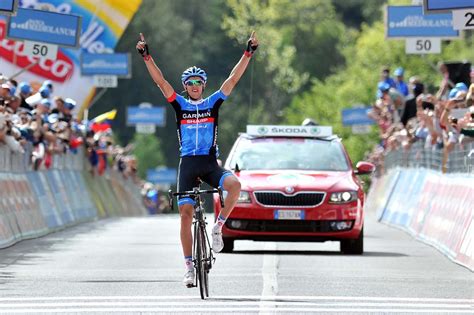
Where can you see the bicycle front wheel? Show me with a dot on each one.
(203, 270)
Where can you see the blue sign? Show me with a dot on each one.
(8, 6)
(436, 6)
(46, 27)
(161, 176)
(409, 21)
(356, 116)
(152, 115)
(106, 64)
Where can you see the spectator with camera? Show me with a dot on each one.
(9, 134)
(439, 123)
(25, 92)
(410, 108)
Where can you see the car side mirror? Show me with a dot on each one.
(364, 168)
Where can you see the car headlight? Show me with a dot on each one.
(343, 197)
(244, 197)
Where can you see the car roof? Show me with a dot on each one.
(245, 135)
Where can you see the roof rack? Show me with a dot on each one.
(320, 132)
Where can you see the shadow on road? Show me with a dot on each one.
(27, 251)
(128, 281)
(259, 299)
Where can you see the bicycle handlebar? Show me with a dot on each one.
(195, 192)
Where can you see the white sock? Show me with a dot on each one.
(220, 222)
(188, 262)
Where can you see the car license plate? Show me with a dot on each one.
(289, 214)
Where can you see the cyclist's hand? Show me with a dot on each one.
(142, 46)
(252, 43)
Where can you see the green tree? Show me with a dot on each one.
(299, 41)
(353, 12)
(298, 38)
(148, 150)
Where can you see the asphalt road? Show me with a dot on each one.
(135, 265)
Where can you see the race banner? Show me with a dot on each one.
(444, 6)
(103, 23)
(106, 64)
(8, 6)
(44, 26)
(409, 21)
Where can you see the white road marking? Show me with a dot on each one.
(234, 304)
(227, 310)
(266, 304)
(255, 297)
(270, 277)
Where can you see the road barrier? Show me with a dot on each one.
(433, 207)
(35, 203)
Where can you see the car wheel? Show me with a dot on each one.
(354, 247)
(228, 245)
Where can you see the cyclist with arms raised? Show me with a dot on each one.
(197, 122)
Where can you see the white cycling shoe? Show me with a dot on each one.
(217, 242)
(189, 278)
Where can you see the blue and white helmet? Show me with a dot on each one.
(193, 72)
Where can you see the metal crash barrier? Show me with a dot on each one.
(459, 160)
(35, 203)
(430, 196)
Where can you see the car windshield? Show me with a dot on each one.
(289, 153)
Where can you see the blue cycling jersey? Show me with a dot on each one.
(197, 123)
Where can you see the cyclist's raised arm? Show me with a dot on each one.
(239, 69)
(153, 69)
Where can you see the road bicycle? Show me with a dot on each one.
(202, 253)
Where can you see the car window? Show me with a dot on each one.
(288, 153)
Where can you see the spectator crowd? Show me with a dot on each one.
(36, 122)
(408, 113)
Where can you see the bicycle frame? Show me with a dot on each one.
(202, 253)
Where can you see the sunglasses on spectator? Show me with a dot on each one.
(194, 82)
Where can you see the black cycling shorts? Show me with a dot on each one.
(204, 167)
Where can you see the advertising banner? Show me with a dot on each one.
(161, 176)
(103, 23)
(437, 6)
(45, 200)
(409, 21)
(399, 210)
(139, 115)
(8, 6)
(435, 208)
(356, 116)
(118, 64)
(46, 27)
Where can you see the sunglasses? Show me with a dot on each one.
(194, 82)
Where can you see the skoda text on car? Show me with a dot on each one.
(298, 184)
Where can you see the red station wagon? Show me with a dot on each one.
(298, 184)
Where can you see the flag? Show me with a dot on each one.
(105, 116)
(100, 127)
(103, 121)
